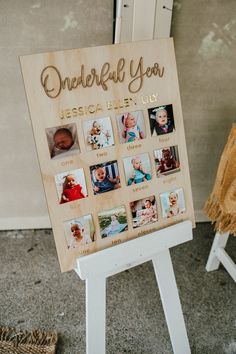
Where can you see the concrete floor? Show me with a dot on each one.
(34, 294)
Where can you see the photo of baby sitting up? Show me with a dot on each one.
(131, 126)
(98, 133)
(161, 120)
(71, 186)
(172, 203)
(137, 169)
(167, 161)
(144, 211)
(105, 177)
(113, 221)
(79, 232)
(62, 141)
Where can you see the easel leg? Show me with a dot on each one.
(170, 300)
(95, 315)
(220, 241)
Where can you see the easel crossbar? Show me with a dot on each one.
(113, 260)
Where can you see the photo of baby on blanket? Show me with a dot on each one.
(144, 211)
(167, 161)
(71, 186)
(105, 177)
(172, 203)
(79, 232)
(98, 133)
(131, 126)
(62, 141)
(113, 221)
(137, 169)
(161, 120)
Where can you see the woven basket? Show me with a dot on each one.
(24, 342)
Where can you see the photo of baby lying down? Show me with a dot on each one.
(113, 221)
(144, 211)
(172, 203)
(105, 177)
(63, 141)
(79, 232)
(167, 161)
(71, 186)
(98, 133)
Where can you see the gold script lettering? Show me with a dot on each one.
(139, 73)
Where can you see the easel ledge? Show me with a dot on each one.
(134, 252)
(95, 268)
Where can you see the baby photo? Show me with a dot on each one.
(131, 126)
(98, 133)
(144, 211)
(71, 186)
(137, 169)
(172, 203)
(79, 231)
(113, 221)
(62, 141)
(161, 120)
(167, 161)
(105, 177)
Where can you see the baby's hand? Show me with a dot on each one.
(96, 189)
(64, 198)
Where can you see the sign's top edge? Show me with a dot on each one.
(170, 39)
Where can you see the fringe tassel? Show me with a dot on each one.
(35, 337)
(224, 222)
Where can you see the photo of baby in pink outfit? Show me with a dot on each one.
(131, 127)
(144, 211)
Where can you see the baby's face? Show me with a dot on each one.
(130, 121)
(100, 174)
(76, 231)
(147, 205)
(166, 154)
(63, 141)
(136, 163)
(173, 199)
(70, 181)
(161, 117)
(97, 128)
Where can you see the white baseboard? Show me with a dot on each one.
(200, 216)
(38, 222)
(43, 222)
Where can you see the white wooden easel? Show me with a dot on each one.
(95, 268)
(219, 255)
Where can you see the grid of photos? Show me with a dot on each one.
(98, 134)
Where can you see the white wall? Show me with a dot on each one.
(26, 27)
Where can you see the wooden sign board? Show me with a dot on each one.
(109, 133)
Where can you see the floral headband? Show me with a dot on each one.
(155, 110)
